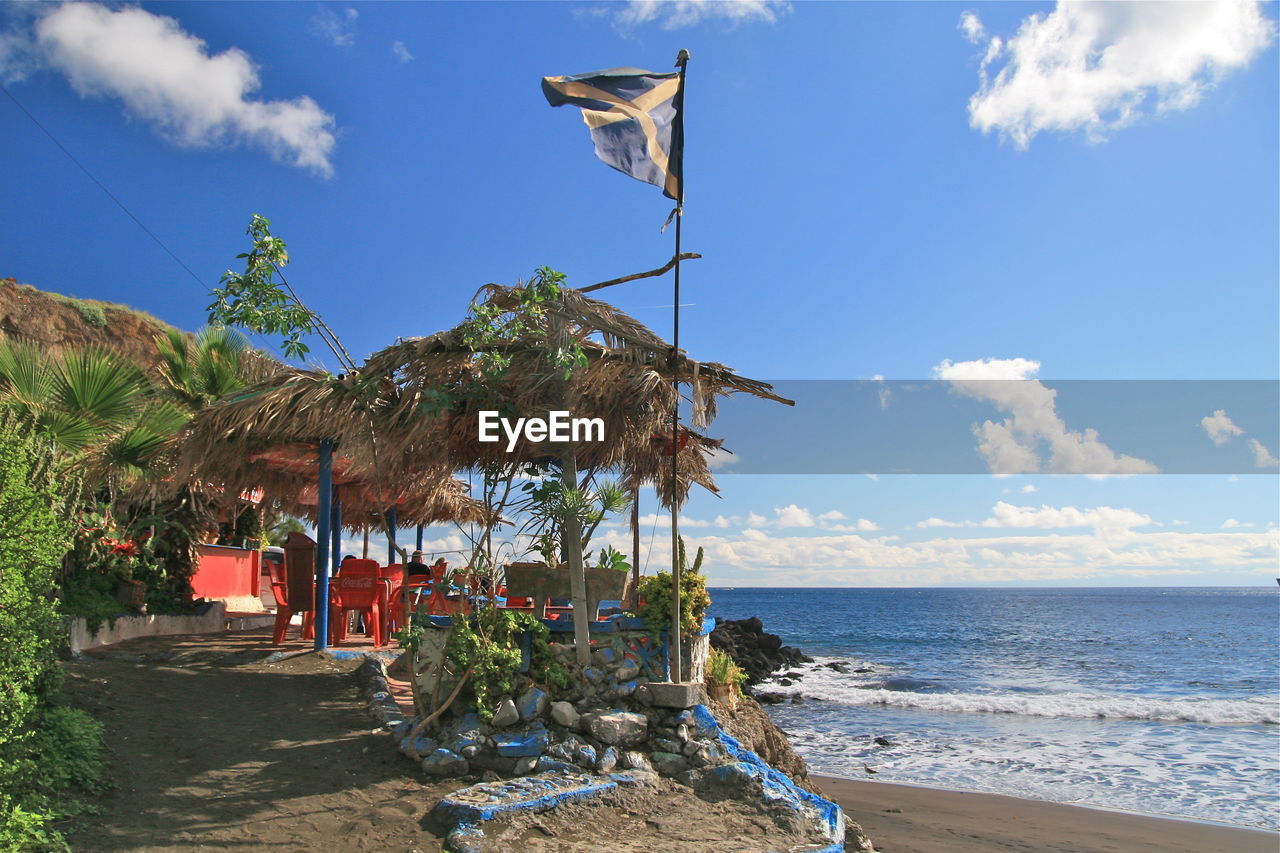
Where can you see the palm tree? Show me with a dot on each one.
(216, 362)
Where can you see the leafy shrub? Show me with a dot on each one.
(92, 314)
(721, 669)
(43, 747)
(654, 594)
(68, 743)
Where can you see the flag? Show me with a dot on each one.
(635, 120)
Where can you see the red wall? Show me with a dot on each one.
(224, 572)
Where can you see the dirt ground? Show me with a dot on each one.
(213, 748)
(210, 748)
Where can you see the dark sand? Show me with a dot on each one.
(908, 819)
(213, 748)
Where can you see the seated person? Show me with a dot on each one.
(416, 568)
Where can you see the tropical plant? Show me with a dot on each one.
(197, 371)
(654, 594)
(612, 558)
(549, 503)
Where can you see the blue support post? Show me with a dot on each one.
(323, 508)
(335, 531)
(391, 536)
(419, 537)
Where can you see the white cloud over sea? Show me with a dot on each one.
(1095, 67)
(1034, 437)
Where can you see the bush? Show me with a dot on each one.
(654, 594)
(43, 747)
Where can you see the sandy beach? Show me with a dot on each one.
(910, 819)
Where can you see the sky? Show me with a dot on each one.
(880, 192)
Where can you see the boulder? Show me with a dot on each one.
(506, 714)
(516, 744)
(564, 714)
(617, 728)
(445, 762)
(532, 704)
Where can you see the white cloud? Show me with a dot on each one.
(1178, 522)
(793, 516)
(1220, 427)
(337, 28)
(1098, 66)
(165, 77)
(674, 14)
(1012, 446)
(1261, 456)
(972, 28)
(933, 521)
(833, 515)
(718, 458)
(1028, 489)
(754, 520)
(1232, 524)
(1048, 517)
(757, 558)
(400, 52)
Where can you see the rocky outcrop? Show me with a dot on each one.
(56, 323)
(758, 653)
(755, 730)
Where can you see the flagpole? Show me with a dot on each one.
(677, 145)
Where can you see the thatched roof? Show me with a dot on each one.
(414, 406)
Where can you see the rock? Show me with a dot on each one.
(627, 671)
(617, 728)
(608, 760)
(770, 697)
(531, 741)
(785, 682)
(585, 756)
(593, 674)
(548, 764)
(669, 764)
(625, 688)
(506, 714)
(666, 744)
(561, 751)
(470, 750)
(604, 656)
(690, 748)
(635, 778)
(634, 760)
(682, 733)
(758, 653)
(532, 704)
(444, 762)
(526, 765)
(564, 714)
(797, 699)
(884, 741)
(421, 744)
(643, 696)
(838, 666)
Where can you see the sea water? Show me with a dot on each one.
(1163, 701)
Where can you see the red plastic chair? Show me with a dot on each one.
(284, 615)
(358, 589)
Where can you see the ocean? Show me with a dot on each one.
(1156, 700)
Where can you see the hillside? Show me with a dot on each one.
(55, 323)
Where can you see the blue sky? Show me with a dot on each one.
(924, 190)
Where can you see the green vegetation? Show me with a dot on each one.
(722, 670)
(486, 646)
(655, 596)
(45, 747)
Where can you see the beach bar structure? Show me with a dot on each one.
(410, 415)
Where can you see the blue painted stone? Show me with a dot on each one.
(561, 751)
(529, 793)
(606, 655)
(547, 764)
(608, 761)
(701, 722)
(402, 729)
(626, 688)
(422, 744)
(585, 756)
(532, 704)
(593, 674)
(444, 762)
(532, 741)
